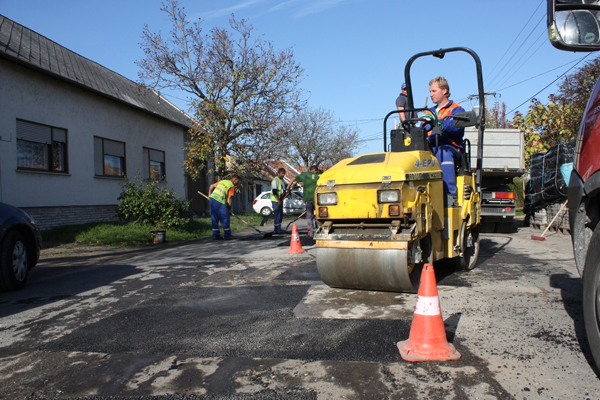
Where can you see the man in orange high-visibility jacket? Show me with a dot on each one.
(450, 142)
(221, 194)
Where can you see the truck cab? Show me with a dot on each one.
(574, 26)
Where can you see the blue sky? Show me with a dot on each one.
(353, 51)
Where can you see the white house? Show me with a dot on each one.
(71, 130)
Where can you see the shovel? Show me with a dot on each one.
(297, 218)
(266, 235)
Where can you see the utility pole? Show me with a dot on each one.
(486, 94)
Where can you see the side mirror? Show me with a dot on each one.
(573, 25)
(464, 119)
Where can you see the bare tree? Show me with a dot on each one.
(496, 117)
(238, 86)
(314, 137)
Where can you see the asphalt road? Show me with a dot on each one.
(245, 320)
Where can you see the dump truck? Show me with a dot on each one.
(382, 216)
(503, 160)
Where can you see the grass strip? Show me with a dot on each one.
(129, 234)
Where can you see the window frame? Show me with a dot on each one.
(49, 152)
(148, 159)
(103, 158)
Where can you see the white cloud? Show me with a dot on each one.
(208, 15)
(317, 6)
(296, 8)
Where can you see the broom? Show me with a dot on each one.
(542, 238)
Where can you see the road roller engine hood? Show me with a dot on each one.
(380, 186)
(394, 167)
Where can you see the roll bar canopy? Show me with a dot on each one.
(481, 118)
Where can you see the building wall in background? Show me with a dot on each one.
(38, 98)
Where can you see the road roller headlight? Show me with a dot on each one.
(327, 199)
(323, 212)
(388, 196)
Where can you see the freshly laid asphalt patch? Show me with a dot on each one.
(255, 322)
(300, 272)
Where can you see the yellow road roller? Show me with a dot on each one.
(381, 216)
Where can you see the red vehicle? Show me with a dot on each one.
(574, 25)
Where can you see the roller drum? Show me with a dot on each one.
(368, 269)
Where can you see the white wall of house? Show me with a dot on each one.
(32, 96)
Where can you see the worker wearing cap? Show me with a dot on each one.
(450, 142)
(221, 195)
(277, 196)
(402, 104)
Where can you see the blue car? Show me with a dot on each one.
(20, 246)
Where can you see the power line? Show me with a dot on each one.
(515, 39)
(515, 53)
(547, 86)
(528, 79)
(542, 41)
(373, 136)
(368, 140)
(538, 75)
(363, 121)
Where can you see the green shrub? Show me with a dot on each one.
(517, 187)
(149, 204)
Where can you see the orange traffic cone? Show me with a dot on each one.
(427, 340)
(295, 245)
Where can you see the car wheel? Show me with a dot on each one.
(14, 262)
(266, 211)
(591, 295)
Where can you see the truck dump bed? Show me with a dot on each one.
(503, 151)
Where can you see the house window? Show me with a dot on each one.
(41, 147)
(109, 157)
(154, 164)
